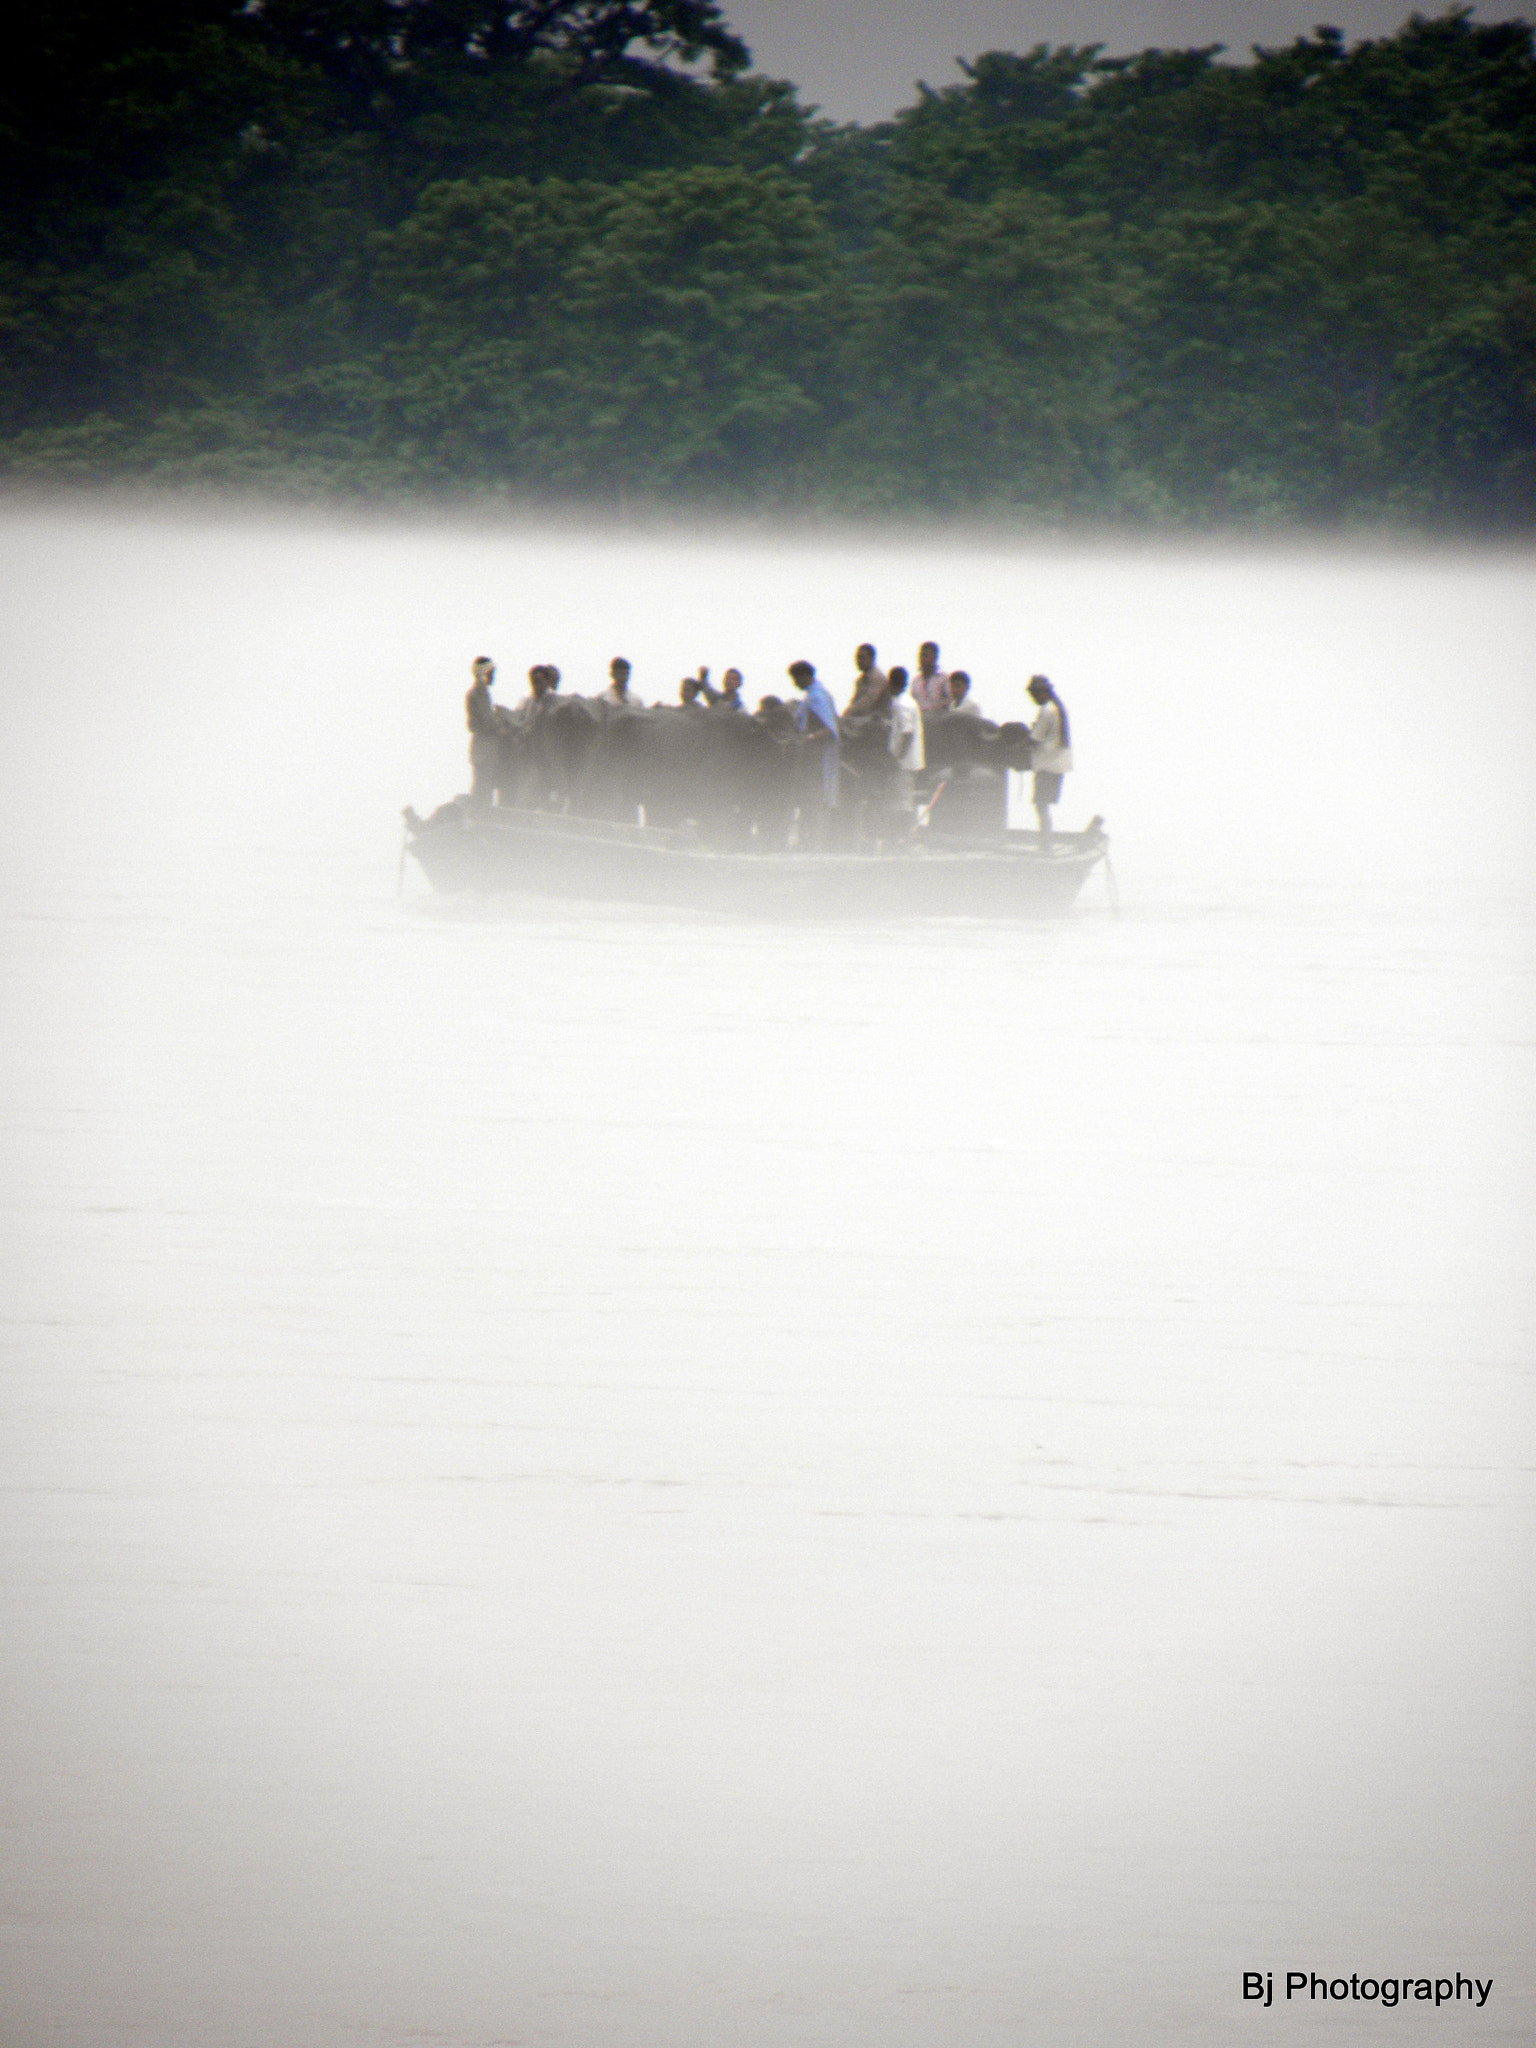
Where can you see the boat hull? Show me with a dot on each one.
(502, 849)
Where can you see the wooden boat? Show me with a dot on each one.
(1010, 874)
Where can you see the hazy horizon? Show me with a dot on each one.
(624, 1479)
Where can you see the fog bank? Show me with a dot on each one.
(585, 1477)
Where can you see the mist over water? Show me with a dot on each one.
(602, 1477)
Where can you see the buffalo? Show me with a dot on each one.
(736, 779)
(733, 778)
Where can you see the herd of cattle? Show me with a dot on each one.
(740, 778)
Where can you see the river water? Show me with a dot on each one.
(613, 1479)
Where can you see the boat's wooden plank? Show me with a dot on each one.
(554, 854)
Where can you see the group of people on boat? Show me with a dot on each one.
(901, 737)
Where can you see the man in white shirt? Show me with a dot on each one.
(617, 692)
(960, 698)
(1051, 735)
(906, 741)
(541, 680)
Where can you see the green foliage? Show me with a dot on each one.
(1271, 335)
(981, 356)
(1460, 427)
(577, 246)
(662, 332)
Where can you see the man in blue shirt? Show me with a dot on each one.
(816, 716)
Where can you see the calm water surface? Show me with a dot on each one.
(603, 1478)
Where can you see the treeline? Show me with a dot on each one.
(576, 249)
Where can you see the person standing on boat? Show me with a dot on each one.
(960, 698)
(1051, 738)
(538, 685)
(617, 692)
(869, 690)
(906, 742)
(516, 776)
(816, 716)
(484, 741)
(930, 686)
(728, 696)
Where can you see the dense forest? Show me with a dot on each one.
(578, 251)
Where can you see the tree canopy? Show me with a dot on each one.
(574, 247)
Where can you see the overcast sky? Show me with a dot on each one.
(858, 60)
